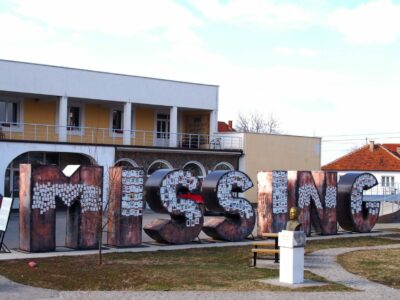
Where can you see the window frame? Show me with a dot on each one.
(118, 132)
(387, 181)
(18, 126)
(76, 130)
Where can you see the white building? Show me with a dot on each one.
(57, 115)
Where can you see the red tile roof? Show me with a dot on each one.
(383, 158)
(224, 127)
(394, 148)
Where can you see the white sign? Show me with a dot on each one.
(291, 239)
(5, 212)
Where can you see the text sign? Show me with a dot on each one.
(322, 201)
(5, 213)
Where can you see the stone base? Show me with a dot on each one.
(306, 283)
(291, 265)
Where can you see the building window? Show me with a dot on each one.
(387, 181)
(163, 126)
(117, 121)
(74, 118)
(9, 113)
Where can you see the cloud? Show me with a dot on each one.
(256, 13)
(303, 52)
(118, 17)
(14, 30)
(307, 52)
(285, 51)
(376, 22)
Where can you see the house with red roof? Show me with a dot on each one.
(225, 127)
(381, 160)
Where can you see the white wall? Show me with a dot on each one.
(58, 81)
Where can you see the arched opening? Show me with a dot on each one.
(223, 166)
(158, 165)
(195, 168)
(125, 162)
(59, 159)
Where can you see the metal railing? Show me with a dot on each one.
(92, 135)
(388, 196)
(387, 193)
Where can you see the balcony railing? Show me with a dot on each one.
(384, 191)
(92, 135)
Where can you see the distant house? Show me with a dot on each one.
(225, 127)
(381, 160)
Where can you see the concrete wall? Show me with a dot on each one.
(39, 112)
(58, 81)
(96, 115)
(267, 152)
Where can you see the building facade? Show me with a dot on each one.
(63, 116)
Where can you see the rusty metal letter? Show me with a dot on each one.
(316, 198)
(354, 214)
(41, 187)
(313, 192)
(272, 201)
(217, 190)
(186, 217)
(125, 206)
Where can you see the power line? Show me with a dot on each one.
(363, 134)
(358, 139)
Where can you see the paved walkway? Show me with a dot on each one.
(322, 262)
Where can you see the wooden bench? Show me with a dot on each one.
(266, 248)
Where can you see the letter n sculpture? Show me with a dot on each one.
(314, 193)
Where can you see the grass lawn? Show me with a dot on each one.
(222, 268)
(377, 265)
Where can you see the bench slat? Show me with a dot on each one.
(266, 251)
(264, 244)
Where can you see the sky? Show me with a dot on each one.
(326, 68)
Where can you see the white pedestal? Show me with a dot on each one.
(291, 256)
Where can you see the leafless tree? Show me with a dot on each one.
(273, 125)
(243, 123)
(257, 122)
